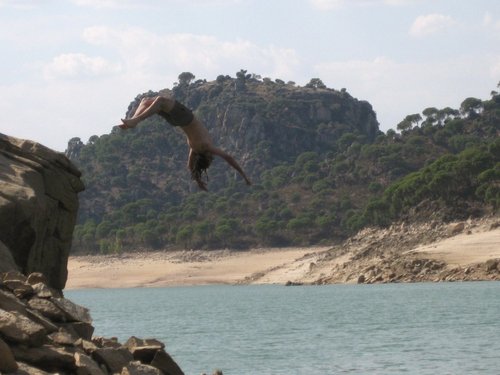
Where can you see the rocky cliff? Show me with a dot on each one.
(38, 209)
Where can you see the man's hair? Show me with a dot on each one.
(201, 162)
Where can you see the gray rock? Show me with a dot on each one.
(74, 312)
(455, 229)
(14, 275)
(18, 328)
(47, 357)
(63, 337)
(25, 369)
(48, 309)
(80, 329)
(137, 368)
(88, 346)
(38, 207)
(36, 278)
(165, 363)
(7, 361)
(491, 265)
(143, 350)
(44, 291)
(19, 288)
(9, 302)
(86, 366)
(114, 358)
(40, 319)
(106, 342)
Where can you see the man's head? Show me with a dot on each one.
(201, 162)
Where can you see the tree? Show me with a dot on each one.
(241, 78)
(470, 107)
(391, 133)
(185, 78)
(316, 83)
(404, 126)
(431, 116)
(184, 235)
(203, 230)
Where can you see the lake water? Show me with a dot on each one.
(444, 328)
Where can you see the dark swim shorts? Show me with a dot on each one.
(180, 115)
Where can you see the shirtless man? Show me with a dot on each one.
(201, 148)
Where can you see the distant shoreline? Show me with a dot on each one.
(178, 268)
(372, 256)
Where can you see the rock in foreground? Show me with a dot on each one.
(42, 332)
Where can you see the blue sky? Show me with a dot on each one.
(69, 68)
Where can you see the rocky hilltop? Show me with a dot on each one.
(38, 209)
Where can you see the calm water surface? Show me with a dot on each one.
(445, 328)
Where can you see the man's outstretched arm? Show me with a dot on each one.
(230, 160)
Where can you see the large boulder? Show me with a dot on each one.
(38, 206)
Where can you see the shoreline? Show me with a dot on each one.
(418, 253)
(179, 268)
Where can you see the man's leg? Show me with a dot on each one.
(146, 109)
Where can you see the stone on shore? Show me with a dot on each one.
(43, 333)
(143, 350)
(7, 360)
(137, 368)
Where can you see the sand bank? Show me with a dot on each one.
(154, 269)
(474, 245)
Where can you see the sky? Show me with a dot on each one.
(70, 68)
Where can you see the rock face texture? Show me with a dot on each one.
(38, 209)
(42, 332)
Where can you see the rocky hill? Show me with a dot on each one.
(321, 169)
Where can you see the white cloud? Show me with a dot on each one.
(128, 4)
(400, 2)
(397, 89)
(145, 54)
(431, 24)
(71, 65)
(20, 4)
(327, 4)
(490, 22)
(101, 4)
(335, 4)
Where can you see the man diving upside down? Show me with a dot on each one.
(201, 148)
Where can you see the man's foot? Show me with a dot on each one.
(128, 123)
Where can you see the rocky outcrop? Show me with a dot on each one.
(42, 332)
(38, 209)
(388, 255)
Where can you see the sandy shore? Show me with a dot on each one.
(179, 268)
(465, 249)
(471, 247)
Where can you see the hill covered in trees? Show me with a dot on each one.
(320, 166)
